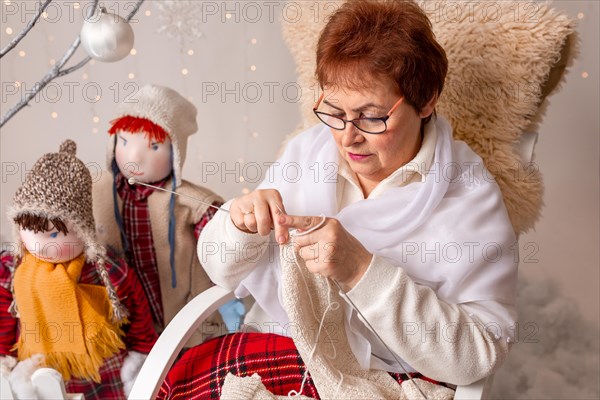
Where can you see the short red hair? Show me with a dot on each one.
(387, 41)
(131, 124)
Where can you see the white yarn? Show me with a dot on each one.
(333, 306)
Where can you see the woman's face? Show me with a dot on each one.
(373, 157)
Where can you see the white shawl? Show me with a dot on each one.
(450, 232)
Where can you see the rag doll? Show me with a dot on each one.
(157, 231)
(65, 302)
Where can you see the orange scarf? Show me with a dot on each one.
(66, 321)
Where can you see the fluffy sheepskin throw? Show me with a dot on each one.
(504, 58)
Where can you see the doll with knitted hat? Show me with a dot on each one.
(65, 303)
(156, 230)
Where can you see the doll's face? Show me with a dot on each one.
(52, 246)
(142, 159)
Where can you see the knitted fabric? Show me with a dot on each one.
(319, 333)
(252, 388)
(49, 296)
(59, 186)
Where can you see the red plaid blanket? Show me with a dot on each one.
(201, 371)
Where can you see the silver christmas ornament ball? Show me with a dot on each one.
(106, 37)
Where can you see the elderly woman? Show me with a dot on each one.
(403, 218)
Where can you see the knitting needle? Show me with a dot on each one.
(377, 335)
(320, 224)
(132, 181)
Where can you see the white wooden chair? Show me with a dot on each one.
(181, 328)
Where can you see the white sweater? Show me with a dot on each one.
(410, 317)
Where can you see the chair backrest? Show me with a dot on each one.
(494, 88)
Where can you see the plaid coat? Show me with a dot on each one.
(145, 215)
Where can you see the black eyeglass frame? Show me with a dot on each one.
(354, 121)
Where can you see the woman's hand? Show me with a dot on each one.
(330, 251)
(257, 212)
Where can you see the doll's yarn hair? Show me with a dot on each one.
(128, 123)
(40, 223)
(160, 112)
(57, 191)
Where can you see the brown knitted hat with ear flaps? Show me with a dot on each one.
(59, 186)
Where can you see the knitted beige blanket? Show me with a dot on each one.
(314, 308)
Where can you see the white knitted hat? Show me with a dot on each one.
(168, 109)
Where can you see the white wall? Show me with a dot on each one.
(566, 238)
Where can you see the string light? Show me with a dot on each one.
(96, 119)
(242, 179)
(245, 190)
(50, 38)
(54, 114)
(7, 2)
(98, 97)
(253, 68)
(254, 135)
(184, 71)
(228, 16)
(45, 15)
(76, 5)
(584, 75)
(18, 84)
(253, 41)
(84, 76)
(52, 61)
(131, 75)
(94, 130)
(133, 52)
(241, 160)
(22, 53)
(580, 15)
(190, 52)
(9, 30)
(148, 13)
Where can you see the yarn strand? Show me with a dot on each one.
(365, 320)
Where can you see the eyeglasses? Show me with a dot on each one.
(367, 125)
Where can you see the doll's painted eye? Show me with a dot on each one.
(154, 146)
(53, 235)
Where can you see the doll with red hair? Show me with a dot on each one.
(155, 230)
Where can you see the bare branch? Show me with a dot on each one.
(57, 70)
(25, 30)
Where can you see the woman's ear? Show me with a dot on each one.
(429, 107)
